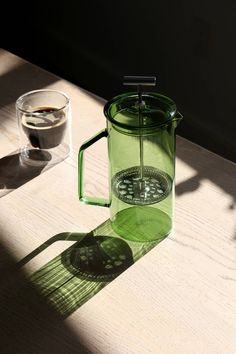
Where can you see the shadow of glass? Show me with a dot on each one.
(13, 173)
(82, 270)
(28, 323)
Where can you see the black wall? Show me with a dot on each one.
(189, 45)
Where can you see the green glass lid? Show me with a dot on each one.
(126, 109)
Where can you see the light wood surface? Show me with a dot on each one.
(179, 298)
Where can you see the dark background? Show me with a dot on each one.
(189, 45)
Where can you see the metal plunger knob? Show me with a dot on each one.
(139, 80)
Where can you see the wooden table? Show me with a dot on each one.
(179, 298)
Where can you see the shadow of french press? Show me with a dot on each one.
(100, 258)
(82, 270)
(13, 173)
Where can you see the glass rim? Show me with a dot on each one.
(26, 94)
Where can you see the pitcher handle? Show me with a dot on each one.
(85, 199)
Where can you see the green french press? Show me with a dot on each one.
(141, 147)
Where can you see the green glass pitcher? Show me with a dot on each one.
(141, 148)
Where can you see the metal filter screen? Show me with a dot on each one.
(153, 188)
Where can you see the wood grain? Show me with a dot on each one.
(179, 298)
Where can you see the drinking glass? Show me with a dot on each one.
(44, 126)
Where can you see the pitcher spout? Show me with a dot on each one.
(177, 119)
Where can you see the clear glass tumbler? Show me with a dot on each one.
(44, 126)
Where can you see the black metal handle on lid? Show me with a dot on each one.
(139, 81)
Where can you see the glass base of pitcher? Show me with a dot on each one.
(142, 224)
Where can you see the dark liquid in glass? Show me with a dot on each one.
(45, 127)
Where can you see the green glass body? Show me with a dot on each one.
(149, 217)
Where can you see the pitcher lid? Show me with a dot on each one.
(155, 110)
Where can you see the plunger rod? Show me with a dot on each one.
(140, 117)
(140, 81)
